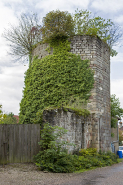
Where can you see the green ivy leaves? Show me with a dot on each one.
(52, 81)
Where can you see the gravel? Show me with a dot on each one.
(29, 174)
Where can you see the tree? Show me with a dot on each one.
(9, 119)
(0, 112)
(116, 110)
(57, 24)
(53, 80)
(23, 36)
(2, 116)
(120, 137)
(106, 30)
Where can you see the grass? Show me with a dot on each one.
(120, 160)
(84, 170)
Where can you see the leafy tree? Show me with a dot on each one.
(120, 137)
(0, 111)
(9, 119)
(23, 36)
(57, 24)
(116, 110)
(53, 80)
(2, 116)
(106, 30)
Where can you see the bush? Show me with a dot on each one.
(88, 152)
(53, 155)
(55, 158)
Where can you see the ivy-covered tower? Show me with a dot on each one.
(98, 52)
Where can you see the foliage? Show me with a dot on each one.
(88, 152)
(1, 112)
(2, 116)
(23, 36)
(56, 25)
(112, 134)
(80, 112)
(7, 118)
(106, 30)
(53, 80)
(114, 122)
(120, 137)
(116, 110)
(54, 157)
(90, 158)
(111, 155)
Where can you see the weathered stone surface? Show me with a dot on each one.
(79, 128)
(97, 52)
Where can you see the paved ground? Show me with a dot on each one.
(29, 174)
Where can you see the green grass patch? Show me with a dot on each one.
(84, 170)
(120, 160)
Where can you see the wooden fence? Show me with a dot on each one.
(18, 143)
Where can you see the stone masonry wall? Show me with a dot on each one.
(79, 128)
(40, 50)
(97, 52)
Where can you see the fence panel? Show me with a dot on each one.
(3, 144)
(19, 143)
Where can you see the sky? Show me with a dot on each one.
(12, 73)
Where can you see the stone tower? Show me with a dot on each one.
(94, 49)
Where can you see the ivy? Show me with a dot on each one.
(53, 80)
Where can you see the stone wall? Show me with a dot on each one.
(40, 50)
(79, 128)
(98, 53)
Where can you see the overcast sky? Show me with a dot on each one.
(12, 73)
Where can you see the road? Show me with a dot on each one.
(29, 174)
(112, 175)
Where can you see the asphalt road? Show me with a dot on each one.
(112, 175)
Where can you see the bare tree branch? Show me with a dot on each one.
(23, 36)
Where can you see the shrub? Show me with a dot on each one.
(88, 152)
(55, 158)
(53, 155)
